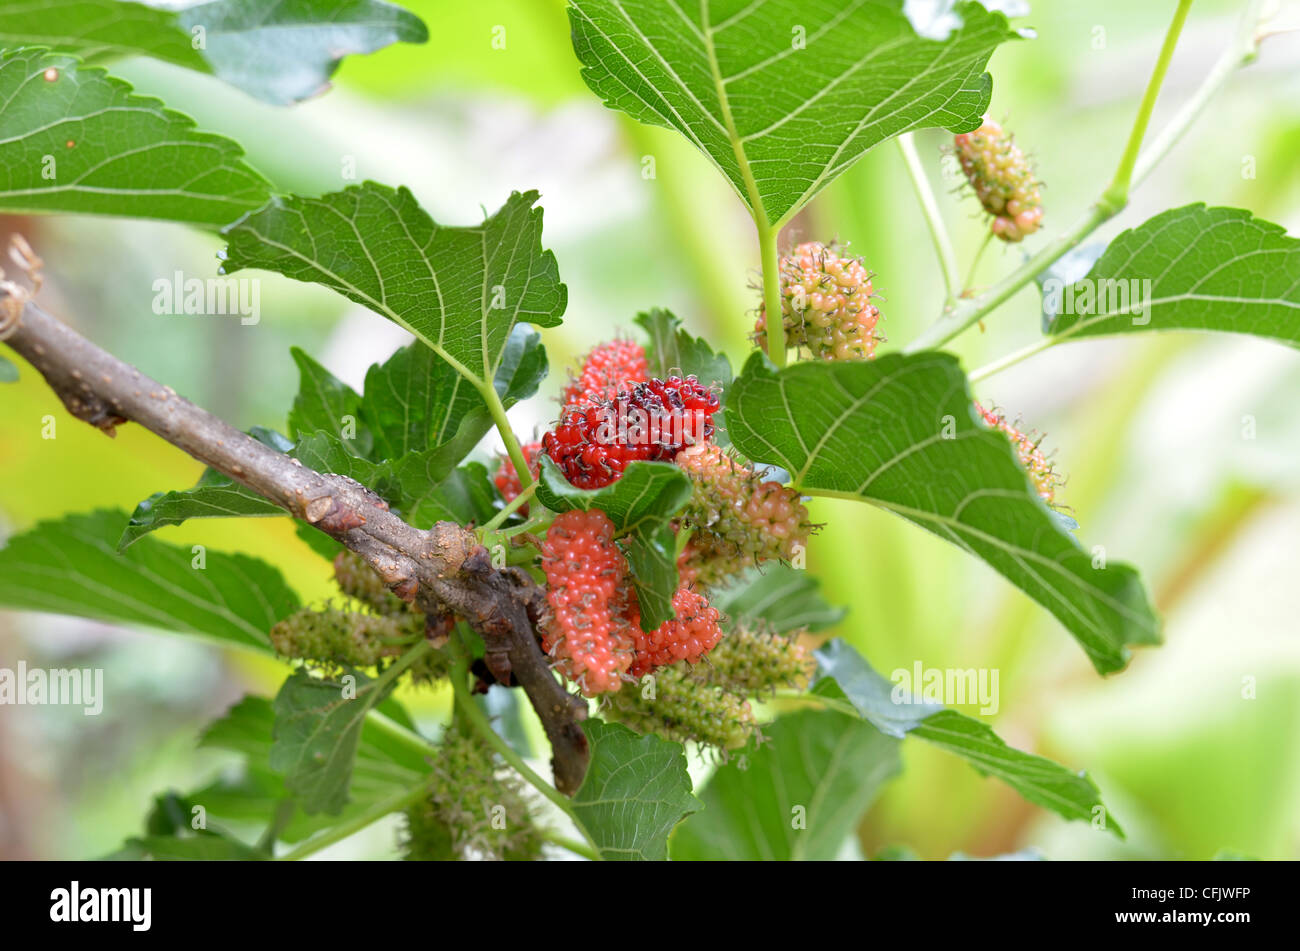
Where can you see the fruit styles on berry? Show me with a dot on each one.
(826, 305)
(1003, 180)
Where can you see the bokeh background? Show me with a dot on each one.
(1196, 746)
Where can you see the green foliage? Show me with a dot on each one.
(1218, 269)
(279, 53)
(317, 728)
(73, 567)
(797, 796)
(162, 509)
(385, 765)
(672, 350)
(415, 402)
(459, 289)
(783, 598)
(635, 792)
(781, 95)
(901, 432)
(846, 675)
(78, 140)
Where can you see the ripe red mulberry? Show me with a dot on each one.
(588, 634)
(607, 369)
(648, 421)
(688, 636)
(507, 479)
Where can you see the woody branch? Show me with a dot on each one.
(443, 570)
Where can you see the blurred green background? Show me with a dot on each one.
(1196, 746)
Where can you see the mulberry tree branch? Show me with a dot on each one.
(443, 569)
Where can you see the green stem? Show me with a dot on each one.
(1242, 51)
(1115, 196)
(398, 733)
(975, 261)
(498, 411)
(1109, 204)
(931, 213)
(513, 506)
(767, 233)
(358, 822)
(478, 721)
(773, 322)
(393, 670)
(1011, 359)
(577, 848)
(970, 311)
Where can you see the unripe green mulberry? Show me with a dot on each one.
(475, 810)
(825, 304)
(739, 519)
(753, 661)
(344, 638)
(358, 580)
(682, 708)
(340, 639)
(1003, 180)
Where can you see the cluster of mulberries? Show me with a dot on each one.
(335, 640)
(474, 810)
(594, 631)
(738, 518)
(825, 304)
(650, 421)
(1002, 179)
(1040, 468)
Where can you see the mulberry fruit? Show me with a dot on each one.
(825, 304)
(647, 421)
(344, 638)
(689, 635)
(474, 810)
(1040, 469)
(607, 369)
(358, 580)
(681, 707)
(753, 661)
(588, 633)
(739, 518)
(507, 479)
(1002, 179)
